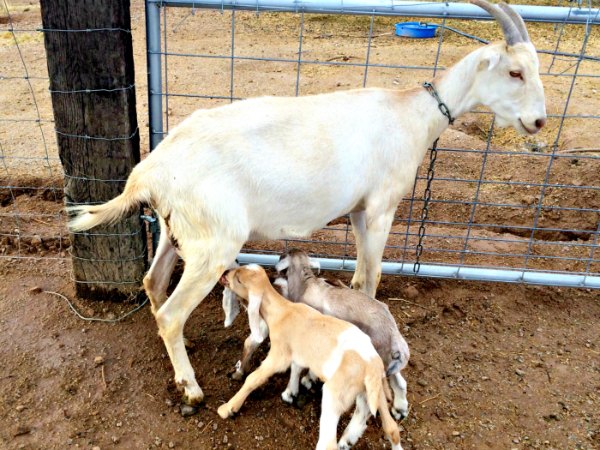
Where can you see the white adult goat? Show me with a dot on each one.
(222, 176)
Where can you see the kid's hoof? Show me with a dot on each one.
(399, 414)
(224, 411)
(237, 375)
(187, 410)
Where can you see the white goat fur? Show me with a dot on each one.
(336, 351)
(222, 176)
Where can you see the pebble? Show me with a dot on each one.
(36, 240)
(200, 424)
(171, 444)
(215, 426)
(520, 372)
(422, 382)
(187, 410)
(98, 360)
(456, 433)
(157, 441)
(225, 439)
(169, 402)
(95, 447)
(35, 290)
(410, 292)
(20, 408)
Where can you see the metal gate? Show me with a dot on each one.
(502, 208)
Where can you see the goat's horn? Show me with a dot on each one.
(517, 19)
(510, 30)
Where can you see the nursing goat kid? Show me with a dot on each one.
(222, 176)
(371, 316)
(336, 351)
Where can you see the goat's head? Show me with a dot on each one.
(295, 261)
(249, 282)
(508, 80)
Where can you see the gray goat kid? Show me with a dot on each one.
(371, 316)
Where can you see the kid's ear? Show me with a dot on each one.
(254, 301)
(231, 306)
(282, 264)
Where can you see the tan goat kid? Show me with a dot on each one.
(222, 176)
(337, 352)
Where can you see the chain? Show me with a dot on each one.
(430, 174)
(425, 210)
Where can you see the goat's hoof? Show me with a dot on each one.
(224, 411)
(399, 414)
(344, 446)
(187, 410)
(194, 402)
(288, 397)
(188, 344)
(237, 375)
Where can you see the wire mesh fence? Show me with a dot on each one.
(503, 207)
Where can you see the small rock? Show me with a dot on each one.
(200, 424)
(95, 447)
(456, 433)
(36, 241)
(225, 439)
(187, 410)
(119, 423)
(520, 372)
(422, 382)
(98, 360)
(115, 440)
(215, 426)
(35, 290)
(157, 441)
(20, 408)
(169, 402)
(410, 292)
(171, 444)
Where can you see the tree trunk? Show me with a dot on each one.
(93, 97)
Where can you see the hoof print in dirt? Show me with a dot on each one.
(187, 410)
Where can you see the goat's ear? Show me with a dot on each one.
(283, 286)
(254, 319)
(314, 264)
(282, 264)
(231, 306)
(489, 61)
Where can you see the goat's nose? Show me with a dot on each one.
(539, 123)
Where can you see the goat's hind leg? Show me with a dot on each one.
(357, 425)
(400, 403)
(205, 261)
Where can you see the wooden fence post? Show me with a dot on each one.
(90, 65)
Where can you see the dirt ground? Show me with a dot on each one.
(493, 366)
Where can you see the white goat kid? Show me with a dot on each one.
(222, 176)
(336, 351)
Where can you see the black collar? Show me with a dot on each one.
(441, 105)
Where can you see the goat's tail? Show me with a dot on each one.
(374, 384)
(85, 217)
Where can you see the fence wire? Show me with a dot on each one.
(503, 207)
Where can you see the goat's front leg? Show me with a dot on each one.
(205, 263)
(371, 229)
(250, 346)
(271, 365)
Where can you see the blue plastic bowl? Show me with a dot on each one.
(419, 30)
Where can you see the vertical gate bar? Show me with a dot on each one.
(154, 73)
(154, 89)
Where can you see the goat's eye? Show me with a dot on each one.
(516, 74)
